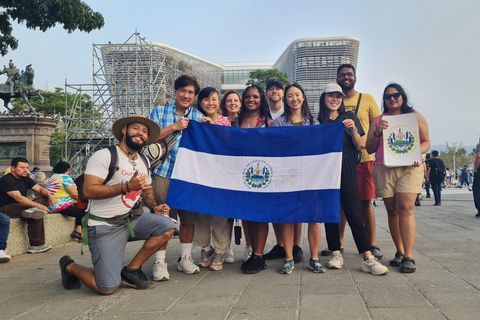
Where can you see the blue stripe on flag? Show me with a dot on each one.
(270, 142)
(303, 206)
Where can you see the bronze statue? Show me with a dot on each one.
(20, 85)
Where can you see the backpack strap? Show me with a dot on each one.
(113, 163)
(358, 103)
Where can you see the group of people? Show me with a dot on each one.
(30, 196)
(115, 189)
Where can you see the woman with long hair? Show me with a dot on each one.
(254, 113)
(297, 113)
(398, 186)
(332, 109)
(211, 229)
(230, 106)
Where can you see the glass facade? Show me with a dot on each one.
(235, 76)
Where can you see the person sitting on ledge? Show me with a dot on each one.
(15, 204)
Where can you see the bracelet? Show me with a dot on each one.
(128, 189)
(375, 134)
(121, 187)
(152, 209)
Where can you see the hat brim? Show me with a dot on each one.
(153, 127)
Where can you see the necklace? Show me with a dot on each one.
(131, 161)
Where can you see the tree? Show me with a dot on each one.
(261, 77)
(459, 153)
(45, 14)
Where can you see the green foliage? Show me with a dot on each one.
(57, 145)
(54, 102)
(460, 154)
(261, 77)
(45, 14)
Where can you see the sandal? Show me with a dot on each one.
(397, 261)
(408, 265)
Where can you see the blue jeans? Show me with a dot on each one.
(437, 190)
(4, 230)
(427, 188)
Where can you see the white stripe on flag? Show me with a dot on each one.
(288, 174)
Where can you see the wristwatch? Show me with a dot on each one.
(152, 209)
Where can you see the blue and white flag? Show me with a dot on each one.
(281, 174)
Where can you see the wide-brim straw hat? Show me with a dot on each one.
(153, 127)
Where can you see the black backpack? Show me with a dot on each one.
(440, 172)
(112, 168)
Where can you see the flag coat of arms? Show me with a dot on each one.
(280, 174)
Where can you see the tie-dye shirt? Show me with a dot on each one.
(56, 186)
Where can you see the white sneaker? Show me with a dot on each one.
(187, 265)
(229, 258)
(337, 260)
(33, 213)
(373, 266)
(160, 272)
(4, 257)
(247, 253)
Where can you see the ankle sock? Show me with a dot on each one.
(160, 255)
(185, 249)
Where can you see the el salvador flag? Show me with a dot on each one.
(281, 174)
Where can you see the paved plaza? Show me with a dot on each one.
(445, 286)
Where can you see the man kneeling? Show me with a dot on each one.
(115, 216)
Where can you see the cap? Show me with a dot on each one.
(333, 87)
(274, 82)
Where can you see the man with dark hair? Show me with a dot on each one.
(464, 173)
(174, 117)
(115, 214)
(15, 204)
(427, 184)
(366, 109)
(435, 171)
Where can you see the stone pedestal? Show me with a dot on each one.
(26, 136)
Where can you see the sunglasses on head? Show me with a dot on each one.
(395, 96)
(297, 83)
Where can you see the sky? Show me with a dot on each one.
(430, 47)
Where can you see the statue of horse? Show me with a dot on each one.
(23, 88)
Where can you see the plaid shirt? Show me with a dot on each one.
(166, 116)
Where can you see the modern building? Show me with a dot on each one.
(236, 75)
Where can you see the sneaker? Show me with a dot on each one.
(477, 215)
(297, 253)
(38, 249)
(217, 262)
(69, 281)
(376, 252)
(337, 260)
(76, 235)
(395, 262)
(373, 266)
(206, 258)
(229, 257)
(136, 278)
(437, 204)
(277, 252)
(316, 266)
(287, 267)
(33, 213)
(327, 252)
(429, 196)
(160, 272)
(256, 265)
(187, 265)
(247, 253)
(246, 263)
(4, 257)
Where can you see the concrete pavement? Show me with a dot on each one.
(445, 286)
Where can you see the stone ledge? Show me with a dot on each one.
(57, 231)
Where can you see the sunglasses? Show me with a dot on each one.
(395, 96)
(296, 83)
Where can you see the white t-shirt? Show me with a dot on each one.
(276, 114)
(98, 166)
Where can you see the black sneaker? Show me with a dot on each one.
(297, 254)
(69, 281)
(376, 252)
(247, 262)
(327, 252)
(136, 278)
(277, 252)
(256, 265)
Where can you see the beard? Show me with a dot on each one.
(347, 87)
(133, 145)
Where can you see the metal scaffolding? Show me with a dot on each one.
(129, 78)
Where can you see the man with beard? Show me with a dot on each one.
(116, 216)
(274, 95)
(175, 117)
(366, 109)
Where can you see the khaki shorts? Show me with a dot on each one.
(389, 181)
(160, 187)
